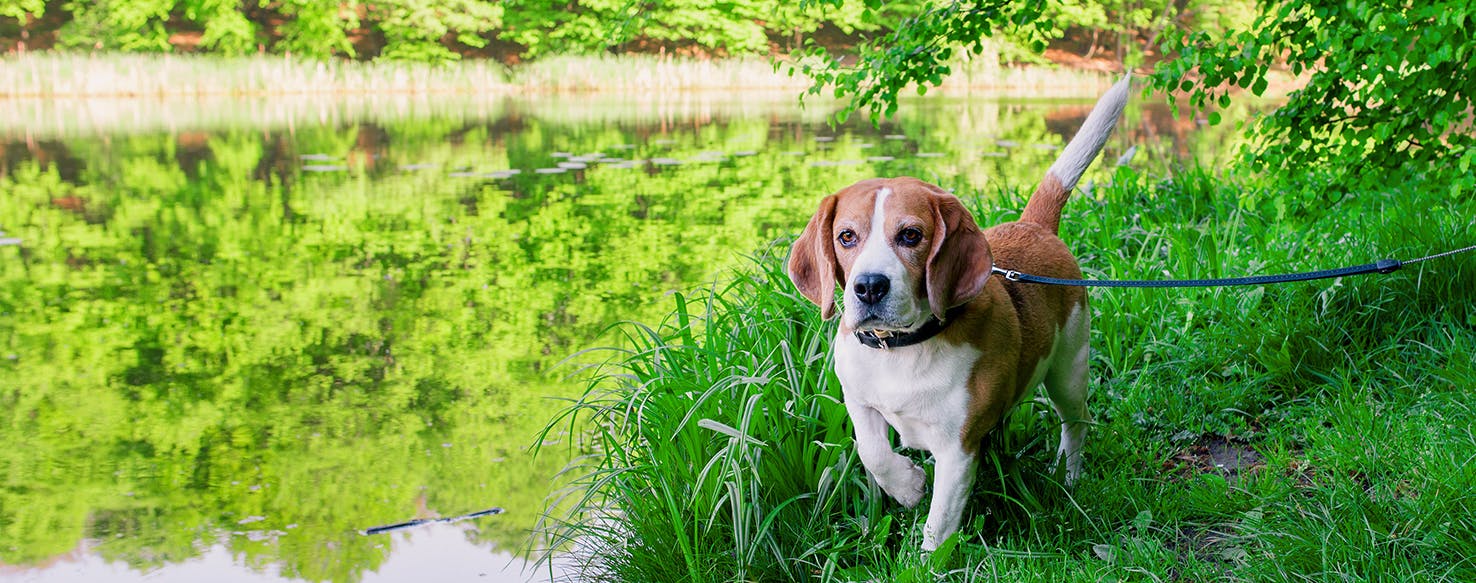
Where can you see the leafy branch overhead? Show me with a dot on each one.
(926, 40)
(1389, 86)
(918, 52)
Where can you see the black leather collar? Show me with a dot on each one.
(885, 340)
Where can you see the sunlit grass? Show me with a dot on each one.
(722, 453)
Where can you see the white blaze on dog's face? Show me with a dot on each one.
(902, 249)
(883, 252)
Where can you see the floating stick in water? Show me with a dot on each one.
(420, 521)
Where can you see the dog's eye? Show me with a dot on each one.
(910, 237)
(847, 238)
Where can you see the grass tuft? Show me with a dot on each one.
(719, 443)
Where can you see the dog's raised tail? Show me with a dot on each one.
(1045, 205)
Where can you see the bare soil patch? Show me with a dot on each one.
(1229, 456)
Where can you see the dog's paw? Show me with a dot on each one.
(930, 541)
(1066, 471)
(908, 487)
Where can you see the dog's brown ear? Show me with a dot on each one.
(812, 264)
(960, 262)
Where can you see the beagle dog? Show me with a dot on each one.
(933, 346)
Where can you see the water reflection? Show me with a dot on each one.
(434, 553)
(230, 346)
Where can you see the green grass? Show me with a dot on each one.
(720, 451)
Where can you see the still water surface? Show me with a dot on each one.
(230, 344)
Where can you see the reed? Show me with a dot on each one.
(653, 73)
(53, 75)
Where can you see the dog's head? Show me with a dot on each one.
(904, 250)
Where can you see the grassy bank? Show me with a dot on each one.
(76, 75)
(1310, 431)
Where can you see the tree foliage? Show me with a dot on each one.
(22, 9)
(926, 46)
(1389, 86)
(414, 29)
(129, 25)
(921, 50)
(226, 28)
(316, 29)
(435, 30)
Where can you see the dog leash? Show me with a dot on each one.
(1380, 266)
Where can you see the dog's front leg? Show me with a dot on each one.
(897, 475)
(953, 479)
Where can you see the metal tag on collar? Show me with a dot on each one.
(881, 338)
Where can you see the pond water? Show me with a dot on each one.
(234, 336)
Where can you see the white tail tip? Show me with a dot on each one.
(1092, 135)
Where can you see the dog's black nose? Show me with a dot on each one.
(870, 288)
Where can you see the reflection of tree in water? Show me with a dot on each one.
(239, 350)
(278, 165)
(191, 151)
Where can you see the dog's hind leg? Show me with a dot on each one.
(897, 475)
(1066, 385)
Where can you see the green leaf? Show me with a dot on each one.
(881, 531)
(1142, 520)
(940, 557)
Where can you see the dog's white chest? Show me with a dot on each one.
(921, 390)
